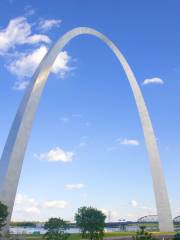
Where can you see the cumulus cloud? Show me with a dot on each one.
(19, 32)
(27, 208)
(75, 186)
(130, 142)
(24, 64)
(48, 24)
(60, 66)
(55, 204)
(26, 204)
(56, 155)
(154, 80)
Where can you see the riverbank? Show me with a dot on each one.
(108, 236)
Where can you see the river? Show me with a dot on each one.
(29, 230)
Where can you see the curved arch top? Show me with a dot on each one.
(14, 150)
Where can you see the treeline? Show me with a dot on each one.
(24, 224)
(35, 224)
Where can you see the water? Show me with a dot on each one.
(41, 230)
(29, 230)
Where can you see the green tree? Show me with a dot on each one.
(3, 215)
(176, 236)
(56, 228)
(142, 234)
(91, 222)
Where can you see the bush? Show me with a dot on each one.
(176, 236)
(3, 215)
(142, 234)
(91, 222)
(56, 228)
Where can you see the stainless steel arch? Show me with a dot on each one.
(13, 154)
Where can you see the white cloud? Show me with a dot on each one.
(154, 80)
(33, 209)
(134, 203)
(75, 186)
(110, 214)
(27, 208)
(20, 85)
(23, 199)
(37, 38)
(19, 32)
(105, 211)
(25, 64)
(130, 142)
(48, 24)
(55, 204)
(60, 66)
(26, 204)
(56, 155)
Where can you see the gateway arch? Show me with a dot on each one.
(15, 147)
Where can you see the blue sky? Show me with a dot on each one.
(87, 145)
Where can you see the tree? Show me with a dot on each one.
(56, 228)
(177, 236)
(142, 234)
(3, 215)
(91, 221)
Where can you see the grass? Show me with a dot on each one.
(109, 234)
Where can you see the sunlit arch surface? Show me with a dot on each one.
(14, 150)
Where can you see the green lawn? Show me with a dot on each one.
(110, 234)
